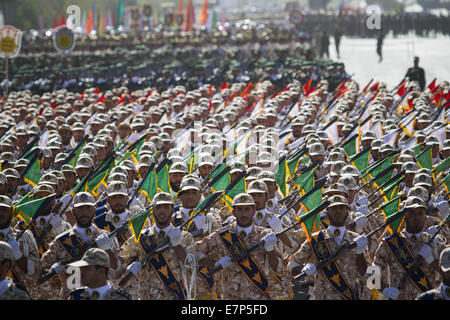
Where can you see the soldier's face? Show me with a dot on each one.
(338, 215)
(118, 202)
(260, 200)
(205, 169)
(271, 188)
(5, 217)
(89, 275)
(77, 135)
(65, 136)
(84, 215)
(415, 220)
(2, 188)
(190, 198)
(162, 214)
(244, 215)
(175, 180)
(11, 184)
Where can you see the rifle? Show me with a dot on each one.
(419, 260)
(136, 191)
(217, 178)
(253, 247)
(86, 246)
(342, 250)
(73, 152)
(381, 174)
(37, 154)
(165, 242)
(41, 208)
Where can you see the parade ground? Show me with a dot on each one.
(361, 59)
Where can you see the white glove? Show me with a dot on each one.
(104, 242)
(224, 262)
(360, 221)
(309, 269)
(432, 230)
(362, 201)
(17, 253)
(58, 268)
(391, 293)
(443, 207)
(200, 221)
(361, 244)
(269, 242)
(56, 222)
(282, 210)
(275, 224)
(363, 210)
(135, 268)
(174, 236)
(230, 219)
(427, 253)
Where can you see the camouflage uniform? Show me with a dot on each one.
(347, 264)
(149, 287)
(391, 272)
(234, 285)
(57, 253)
(11, 292)
(29, 249)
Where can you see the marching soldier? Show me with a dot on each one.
(8, 290)
(94, 267)
(258, 275)
(26, 266)
(72, 243)
(166, 275)
(442, 292)
(344, 274)
(397, 253)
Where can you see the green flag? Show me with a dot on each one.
(306, 180)
(390, 208)
(444, 165)
(33, 173)
(391, 190)
(425, 159)
(312, 224)
(223, 182)
(148, 187)
(27, 210)
(281, 176)
(379, 168)
(98, 179)
(314, 200)
(350, 147)
(162, 179)
(293, 162)
(361, 160)
(137, 222)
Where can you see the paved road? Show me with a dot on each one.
(360, 58)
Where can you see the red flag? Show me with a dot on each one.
(247, 90)
(97, 90)
(224, 86)
(55, 22)
(63, 19)
(189, 16)
(375, 87)
(204, 14)
(367, 86)
(432, 85)
(307, 86)
(90, 23)
(447, 96)
(310, 91)
(180, 7)
(102, 98)
(402, 90)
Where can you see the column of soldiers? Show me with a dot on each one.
(182, 253)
